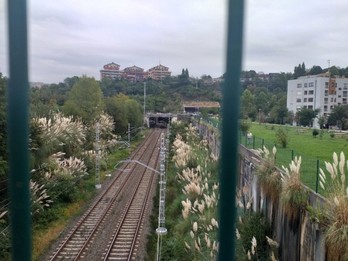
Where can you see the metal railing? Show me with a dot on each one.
(18, 130)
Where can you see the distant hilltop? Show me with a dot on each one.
(134, 73)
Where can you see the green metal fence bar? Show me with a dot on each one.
(229, 139)
(18, 87)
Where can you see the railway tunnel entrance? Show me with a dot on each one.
(158, 120)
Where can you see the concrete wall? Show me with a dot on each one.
(298, 239)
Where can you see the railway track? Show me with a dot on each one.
(111, 229)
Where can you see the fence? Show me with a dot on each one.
(309, 166)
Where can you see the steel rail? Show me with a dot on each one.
(149, 186)
(82, 221)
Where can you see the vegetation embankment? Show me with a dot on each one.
(191, 200)
(65, 140)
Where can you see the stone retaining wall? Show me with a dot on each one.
(298, 239)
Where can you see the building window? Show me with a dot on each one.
(299, 93)
(344, 101)
(311, 84)
(311, 92)
(310, 107)
(310, 99)
(326, 85)
(345, 93)
(298, 100)
(299, 85)
(326, 93)
(305, 92)
(305, 100)
(305, 85)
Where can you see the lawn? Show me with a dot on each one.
(313, 150)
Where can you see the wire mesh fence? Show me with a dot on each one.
(309, 166)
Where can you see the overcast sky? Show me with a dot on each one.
(76, 37)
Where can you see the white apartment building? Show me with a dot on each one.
(317, 92)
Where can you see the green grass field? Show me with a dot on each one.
(314, 151)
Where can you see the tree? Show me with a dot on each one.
(334, 71)
(299, 70)
(85, 100)
(339, 117)
(305, 116)
(124, 110)
(279, 112)
(248, 109)
(315, 70)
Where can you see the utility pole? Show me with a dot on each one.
(129, 134)
(144, 102)
(161, 230)
(97, 158)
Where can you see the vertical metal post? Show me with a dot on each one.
(317, 179)
(230, 127)
(144, 102)
(161, 230)
(129, 135)
(18, 131)
(97, 158)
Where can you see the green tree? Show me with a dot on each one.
(85, 100)
(124, 110)
(248, 109)
(339, 117)
(279, 112)
(305, 116)
(315, 70)
(299, 70)
(334, 71)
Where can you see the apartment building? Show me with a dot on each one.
(317, 92)
(134, 73)
(158, 72)
(112, 71)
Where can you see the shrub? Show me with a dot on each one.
(269, 176)
(336, 208)
(315, 133)
(244, 126)
(254, 227)
(282, 137)
(293, 194)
